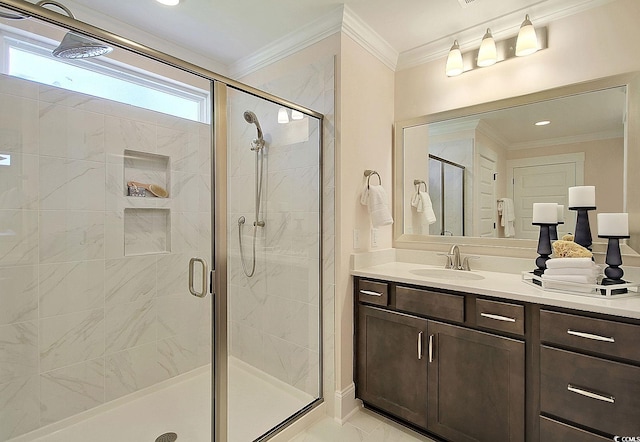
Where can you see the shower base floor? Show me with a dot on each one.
(256, 404)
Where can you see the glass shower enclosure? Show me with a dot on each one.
(115, 172)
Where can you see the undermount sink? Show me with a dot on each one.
(447, 274)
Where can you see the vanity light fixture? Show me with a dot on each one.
(527, 41)
(454, 61)
(283, 116)
(487, 55)
(296, 115)
(169, 2)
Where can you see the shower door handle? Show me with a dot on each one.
(205, 274)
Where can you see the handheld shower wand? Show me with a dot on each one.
(256, 145)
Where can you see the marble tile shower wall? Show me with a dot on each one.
(275, 315)
(81, 321)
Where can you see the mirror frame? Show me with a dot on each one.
(526, 247)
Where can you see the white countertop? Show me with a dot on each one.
(508, 286)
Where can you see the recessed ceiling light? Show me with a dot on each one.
(169, 2)
(543, 123)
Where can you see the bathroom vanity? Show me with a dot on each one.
(486, 357)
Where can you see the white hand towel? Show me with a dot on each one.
(560, 263)
(592, 272)
(507, 216)
(422, 202)
(375, 198)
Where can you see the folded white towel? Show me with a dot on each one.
(422, 202)
(507, 216)
(570, 278)
(583, 271)
(375, 198)
(560, 263)
(559, 285)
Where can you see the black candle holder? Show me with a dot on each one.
(544, 249)
(583, 231)
(553, 231)
(613, 272)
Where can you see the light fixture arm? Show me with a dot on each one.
(40, 3)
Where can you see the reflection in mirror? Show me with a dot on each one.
(509, 159)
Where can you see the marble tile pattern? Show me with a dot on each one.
(276, 314)
(94, 304)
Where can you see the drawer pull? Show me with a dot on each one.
(498, 317)
(590, 336)
(430, 348)
(370, 293)
(591, 394)
(419, 345)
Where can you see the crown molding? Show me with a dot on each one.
(501, 28)
(365, 36)
(289, 44)
(341, 19)
(572, 139)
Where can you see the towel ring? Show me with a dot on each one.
(418, 183)
(368, 174)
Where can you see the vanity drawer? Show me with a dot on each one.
(500, 316)
(428, 303)
(554, 431)
(596, 335)
(373, 292)
(589, 391)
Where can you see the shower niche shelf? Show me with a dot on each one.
(146, 168)
(147, 231)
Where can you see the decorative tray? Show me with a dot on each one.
(593, 290)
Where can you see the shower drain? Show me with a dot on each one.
(167, 437)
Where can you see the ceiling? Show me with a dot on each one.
(228, 31)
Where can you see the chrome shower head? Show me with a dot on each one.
(73, 45)
(251, 118)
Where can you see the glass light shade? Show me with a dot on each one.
(296, 115)
(169, 2)
(454, 61)
(487, 55)
(527, 42)
(283, 116)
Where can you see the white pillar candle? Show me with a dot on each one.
(560, 213)
(613, 224)
(545, 213)
(582, 196)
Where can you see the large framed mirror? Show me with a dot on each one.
(508, 159)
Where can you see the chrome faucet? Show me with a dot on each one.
(454, 255)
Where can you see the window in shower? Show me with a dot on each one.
(104, 78)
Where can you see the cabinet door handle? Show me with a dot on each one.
(430, 348)
(498, 317)
(590, 336)
(370, 293)
(591, 394)
(419, 345)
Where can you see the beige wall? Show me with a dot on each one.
(596, 43)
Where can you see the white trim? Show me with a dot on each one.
(606, 135)
(341, 19)
(289, 44)
(504, 27)
(346, 403)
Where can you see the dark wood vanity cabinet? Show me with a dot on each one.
(464, 367)
(476, 385)
(392, 363)
(455, 382)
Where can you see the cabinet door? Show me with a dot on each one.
(476, 385)
(391, 363)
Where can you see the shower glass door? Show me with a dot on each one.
(100, 338)
(273, 264)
